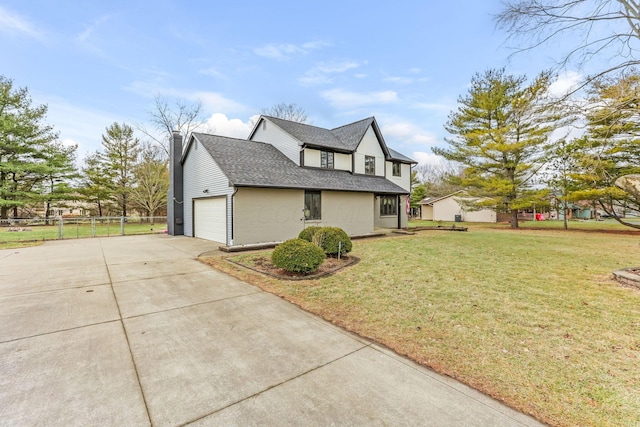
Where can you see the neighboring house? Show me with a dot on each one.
(284, 177)
(449, 208)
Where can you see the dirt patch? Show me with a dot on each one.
(262, 264)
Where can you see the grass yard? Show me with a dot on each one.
(530, 317)
(73, 231)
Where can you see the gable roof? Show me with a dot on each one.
(257, 164)
(432, 200)
(343, 139)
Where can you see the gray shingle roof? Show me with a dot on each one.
(256, 164)
(399, 156)
(311, 135)
(352, 134)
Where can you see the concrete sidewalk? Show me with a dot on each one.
(130, 331)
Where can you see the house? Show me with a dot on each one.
(450, 208)
(286, 176)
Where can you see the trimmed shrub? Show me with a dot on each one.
(307, 233)
(332, 240)
(297, 256)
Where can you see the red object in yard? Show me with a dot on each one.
(539, 217)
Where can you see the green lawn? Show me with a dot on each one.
(607, 224)
(530, 317)
(30, 233)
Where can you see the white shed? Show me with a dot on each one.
(450, 208)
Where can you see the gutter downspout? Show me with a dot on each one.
(232, 202)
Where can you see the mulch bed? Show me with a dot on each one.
(263, 264)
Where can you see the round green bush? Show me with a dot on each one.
(297, 256)
(332, 240)
(307, 233)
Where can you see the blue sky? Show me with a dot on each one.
(405, 62)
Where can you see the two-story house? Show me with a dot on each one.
(284, 177)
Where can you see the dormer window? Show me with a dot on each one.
(326, 159)
(369, 165)
(397, 169)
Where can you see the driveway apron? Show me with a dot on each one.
(136, 331)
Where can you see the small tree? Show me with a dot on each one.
(151, 180)
(95, 183)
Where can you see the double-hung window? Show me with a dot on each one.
(369, 165)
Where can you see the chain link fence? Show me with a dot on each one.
(34, 229)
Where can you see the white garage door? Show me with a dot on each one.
(210, 219)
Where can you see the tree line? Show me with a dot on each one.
(37, 171)
(515, 145)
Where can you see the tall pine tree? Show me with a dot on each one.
(120, 157)
(26, 144)
(499, 130)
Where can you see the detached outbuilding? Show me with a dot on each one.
(451, 208)
(287, 176)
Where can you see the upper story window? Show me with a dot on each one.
(369, 165)
(326, 159)
(397, 169)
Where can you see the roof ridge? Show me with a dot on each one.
(353, 123)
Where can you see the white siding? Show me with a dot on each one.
(280, 139)
(312, 157)
(369, 146)
(202, 173)
(446, 210)
(341, 161)
(404, 180)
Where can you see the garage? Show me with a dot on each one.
(210, 219)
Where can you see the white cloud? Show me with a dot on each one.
(565, 83)
(320, 73)
(12, 24)
(346, 99)
(211, 101)
(424, 158)
(286, 50)
(220, 124)
(407, 132)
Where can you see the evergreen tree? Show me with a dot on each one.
(611, 147)
(499, 129)
(120, 156)
(26, 144)
(95, 184)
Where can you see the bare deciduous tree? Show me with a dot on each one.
(182, 116)
(291, 112)
(600, 28)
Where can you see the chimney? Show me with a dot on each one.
(175, 200)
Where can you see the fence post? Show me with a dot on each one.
(60, 228)
(122, 226)
(93, 226)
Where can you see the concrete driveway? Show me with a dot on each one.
(133, 331)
